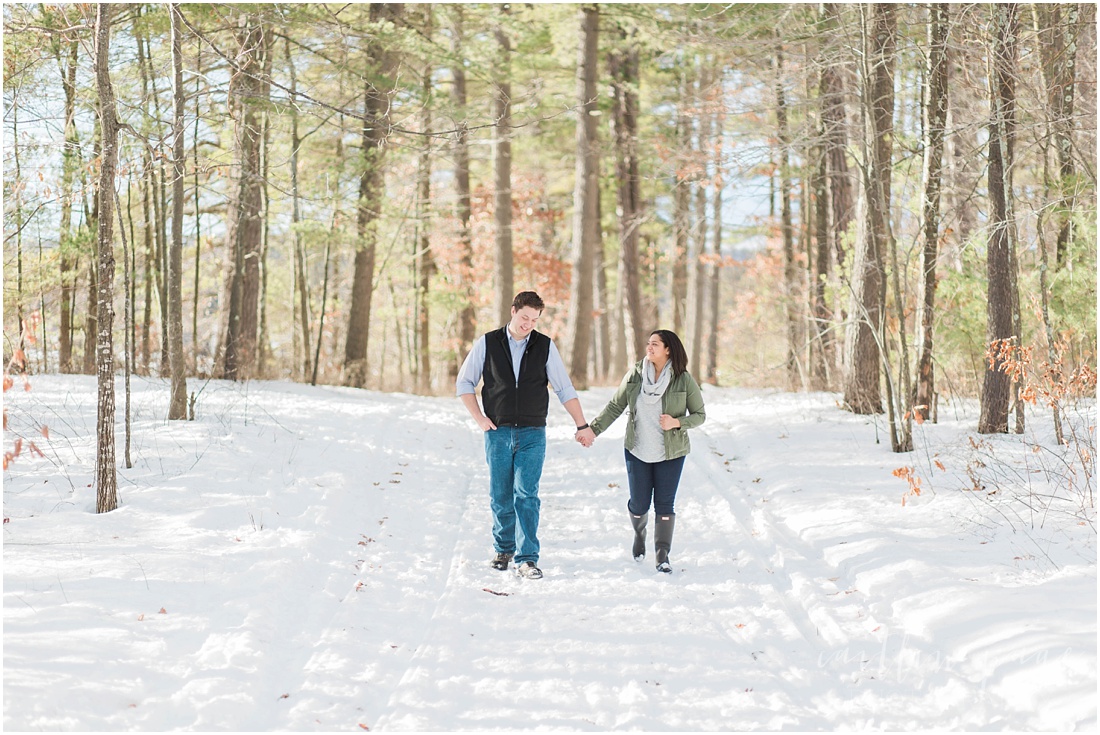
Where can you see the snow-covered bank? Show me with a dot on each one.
(316, 559)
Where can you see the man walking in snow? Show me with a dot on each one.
(516, 363)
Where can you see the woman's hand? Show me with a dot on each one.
(585, 437)
(668, 423)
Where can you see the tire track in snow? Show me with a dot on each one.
(796, 627)
(360, 654)
(401, 705)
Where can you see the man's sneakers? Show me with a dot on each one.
(501, 560)
(528, 570)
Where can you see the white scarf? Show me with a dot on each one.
(654, 388)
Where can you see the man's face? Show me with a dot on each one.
(523, 321)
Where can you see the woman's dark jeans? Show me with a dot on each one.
(653, 481)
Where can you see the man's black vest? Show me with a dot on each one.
(505, 402)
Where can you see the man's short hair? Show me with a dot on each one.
(528, 298)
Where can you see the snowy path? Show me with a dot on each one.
(321, 559)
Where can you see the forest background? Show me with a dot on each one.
(895, 202)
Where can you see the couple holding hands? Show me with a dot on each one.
(516, 363)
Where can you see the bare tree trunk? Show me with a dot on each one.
(247, 240)
(822, 344)
(195, 346)
(18, 232)
(148, 260)
(70, 161)
(681, 217)
(300, 276)
(697, 285)
(468, 317)
(862, 392)
(1050, 39)
(379, 90)
(127, 321)
(624, 74)
(835, 121)
(263, 348)
(131, 270)
(1002, 300)
(92, 311)
(162, 250)
(424, 262)
(790, 268)
(177, 404)
(131, 294)
(159, 194)
(601, 334)
(585, 198)
(962, 152)
(935, 121)
(106, 470)
(1058, 51)
(715, 271)
(339, 157)
(502, 171)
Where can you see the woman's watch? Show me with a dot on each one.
(582, 428)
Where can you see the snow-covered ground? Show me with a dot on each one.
(317, 559)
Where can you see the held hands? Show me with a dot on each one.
(585, 437)
(668, 423)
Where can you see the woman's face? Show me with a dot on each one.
(655, 349)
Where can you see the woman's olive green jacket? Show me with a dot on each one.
(682, 400)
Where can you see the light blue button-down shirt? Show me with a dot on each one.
(470, 373)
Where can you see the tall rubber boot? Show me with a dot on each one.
(639, 523)
(662, 540)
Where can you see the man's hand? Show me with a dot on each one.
(668, 423)
(469, 400)
(586, 437)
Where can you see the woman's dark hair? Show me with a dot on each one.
(528, 298)
(677, 355)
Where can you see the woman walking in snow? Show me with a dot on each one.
(664, 401)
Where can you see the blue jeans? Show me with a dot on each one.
(652, 481)
(515, 455)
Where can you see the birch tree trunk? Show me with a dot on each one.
(106, 469)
